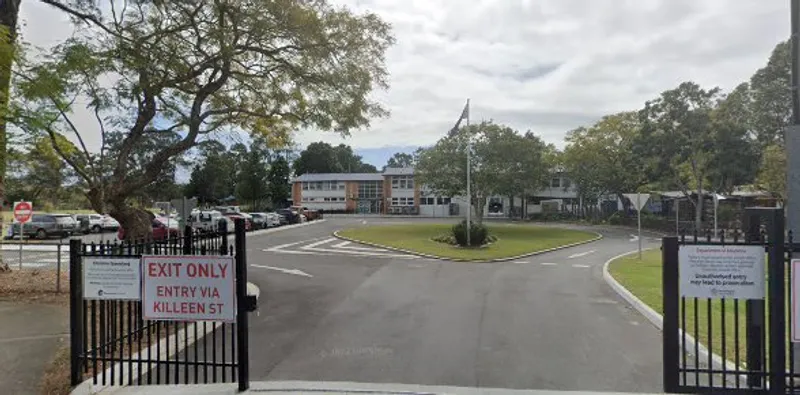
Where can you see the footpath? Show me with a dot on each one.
(30, 334)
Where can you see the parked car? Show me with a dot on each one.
(273, 219)
(248, 225)
(208, 221)
(89, 223)
(311, 215)
(161, 229)
(43, 226)
(289, 215)
(109, 223)
(265, 220)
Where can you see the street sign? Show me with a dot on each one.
(184, 208)
(638, 200)
(23, 211)
(111, 278)
(188, 288)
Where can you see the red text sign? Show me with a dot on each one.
(23, 211)
(188, 288)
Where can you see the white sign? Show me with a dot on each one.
(638, 200)
(110, 278)
(717, 271)
(189, 288)
(795, 304)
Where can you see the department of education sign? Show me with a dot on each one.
(110, 278)
(188, 288)
(716, 271)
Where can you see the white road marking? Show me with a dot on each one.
(282, 246)
(283, 270)
(548, 264)
(363, 253)
(345, 246)
(580, 254)
(312, 245)
(634, 323)
(634, 238)
(342, 244)
(580, 266)
(522, 262)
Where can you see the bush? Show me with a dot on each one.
(478, 234)
(552, 216)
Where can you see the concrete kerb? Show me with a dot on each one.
(441, 258)
(121, 370)
(658, 320)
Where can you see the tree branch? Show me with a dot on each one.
(88, 18)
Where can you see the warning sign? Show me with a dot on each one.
(716, 271)
(188, 288)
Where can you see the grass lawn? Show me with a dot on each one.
(643, 279)
(512, 240)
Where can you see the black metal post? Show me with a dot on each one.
(75, 311)
(671, 295)
(754, 313)
(242, 340)
(187, 240)
(777, 302)
(222, 229)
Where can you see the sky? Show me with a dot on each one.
(547, 66)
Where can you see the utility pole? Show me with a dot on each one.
(469, 180)
(792, 203)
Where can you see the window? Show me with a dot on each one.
(341, 185)
(442, 201)
(427, 201)
(305, 186)
(403, 182)
(566, 183)
(370, 189)
(555, 182)
(403, 201)
(341, 199)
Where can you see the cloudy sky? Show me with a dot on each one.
(544, 65)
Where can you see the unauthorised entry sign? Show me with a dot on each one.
(715, 271)
(188, 288)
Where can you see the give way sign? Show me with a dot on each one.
(23, 211)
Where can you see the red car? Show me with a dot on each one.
(161, 230)
(247, 224)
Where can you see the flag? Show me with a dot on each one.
(464, 115)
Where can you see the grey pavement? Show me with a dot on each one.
(545, 322)
(29, 336)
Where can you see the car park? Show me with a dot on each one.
(89, 223)
(162, 229)
(248, 225)
(43, 226)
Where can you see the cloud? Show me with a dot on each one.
(544, 65)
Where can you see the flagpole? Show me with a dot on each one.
(469, 189)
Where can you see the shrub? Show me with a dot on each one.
(478, 234)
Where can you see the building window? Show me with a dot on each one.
(341, 199)
(403, 201)
(566, 182)
(305, 186)
(370, 189)
(555, 182)
(341, 185)
(442, 201)
(427, 201)
(403, 182)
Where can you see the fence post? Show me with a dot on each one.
(242, 340)
(222, 229)
(187, 240)
(670, 343)
(75, 311)
(754, 312)
(58, 269)
(777, 302)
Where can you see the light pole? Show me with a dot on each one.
(792, 208)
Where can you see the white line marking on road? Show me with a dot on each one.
(522, 262)
(634, 238)
(634, 323)
(342, 244)
(282, 270)
(312, 245)
(364, 253)
(580, 254)
(580, 266)
(548, 264)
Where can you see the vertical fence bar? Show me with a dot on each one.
(710, 332)
(669, 278)
(777, 303)
(58, 268)
(75, 312)
(95, 345)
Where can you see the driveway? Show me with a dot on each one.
(345, 312)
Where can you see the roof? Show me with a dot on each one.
(310, 177)
(398, 171)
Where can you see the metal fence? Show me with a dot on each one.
(113, 344)
(725, 345)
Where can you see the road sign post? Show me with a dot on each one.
(22, 213)
(638, 203)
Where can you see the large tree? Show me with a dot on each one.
(503, 163)
(252, 173)
(401, 159)
(9, 13)
(196, 67)
(213, 176)
(279, 188)
(772, 96)
(322, 157)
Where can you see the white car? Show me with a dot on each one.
(209, 220)
(109, 223)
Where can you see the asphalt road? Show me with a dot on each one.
(350, 313)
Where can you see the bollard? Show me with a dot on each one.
(58, 269)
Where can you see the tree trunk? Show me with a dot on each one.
(136, 222)
(698, 209)
(9, 10)
(479, 203)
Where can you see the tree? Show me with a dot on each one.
(605, 158)
(772, 171)
(401, 159)
(443, 167)
(213, 176)
(772, 97)
(688, 132)
(279, 188)
(9, 13)
(322, 157)
(252, 173)
(198, 67)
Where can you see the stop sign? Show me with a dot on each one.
(23, 211)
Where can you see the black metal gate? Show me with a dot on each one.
(113, 344)
(730, 346)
